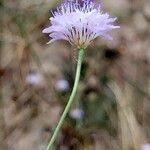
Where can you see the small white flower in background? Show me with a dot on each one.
(76, 113)
(62, 85)
(145, 146)
(34, 78)
(79, 23)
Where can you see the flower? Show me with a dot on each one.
(34, 78)
(62, 85)
(77, 113)
(79, 23)
(145, 146)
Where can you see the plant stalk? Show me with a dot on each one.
(67, 108)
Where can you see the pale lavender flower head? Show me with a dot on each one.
(62, 85)
(145, 146)
(79, 23)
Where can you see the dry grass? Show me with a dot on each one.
(115, 117)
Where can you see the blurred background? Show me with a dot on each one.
(111, 110)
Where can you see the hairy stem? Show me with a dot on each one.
(67, 108)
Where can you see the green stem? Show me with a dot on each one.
(67, 108)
